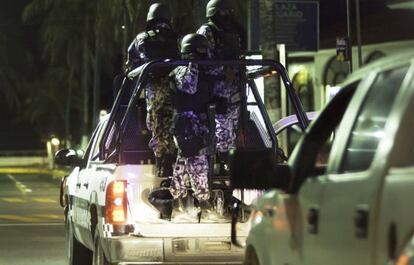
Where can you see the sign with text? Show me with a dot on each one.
(297, 25)
(342, 49)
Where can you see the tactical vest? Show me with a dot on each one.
(196, 102)
(189, 142)
(161, 45)
(227, 43)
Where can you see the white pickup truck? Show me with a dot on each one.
(109, 218)
(345, 196)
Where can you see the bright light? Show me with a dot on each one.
(331, 91)
(102, 114)
(80, 152)
(257, 217)
(118, 187)
(403, 260)
(118, 201)
(55, 141)
(118, 215)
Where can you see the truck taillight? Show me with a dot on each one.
(116, 202)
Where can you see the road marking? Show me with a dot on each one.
(49, 216)
(34, 218)
(13, 217)
(14, 200)
(19, 170)
(44, 200)
(20, 186)
(29, 199)
(34, 224)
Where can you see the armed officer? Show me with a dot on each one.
(224, 40)
(192, 94)
(158, 41)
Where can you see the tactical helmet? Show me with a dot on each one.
(158, 11)
(194, 43)
(213, 6)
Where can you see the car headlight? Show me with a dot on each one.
(256, 217)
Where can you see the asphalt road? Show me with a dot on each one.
(31, 221)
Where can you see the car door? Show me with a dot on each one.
(394, 229)
(346, 214)
(81, 215)
(285, 214)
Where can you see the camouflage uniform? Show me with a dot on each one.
(226, 86)
(190, 171)
(158, 97)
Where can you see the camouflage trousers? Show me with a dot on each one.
(191, 172)
(226, 129)
(160, 116)
(160, 123)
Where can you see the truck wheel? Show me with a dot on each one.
(76, 253)
(251, 257)
(98, 254)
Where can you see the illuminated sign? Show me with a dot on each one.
(297, 25)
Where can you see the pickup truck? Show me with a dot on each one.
(109, 218)
(354, 206)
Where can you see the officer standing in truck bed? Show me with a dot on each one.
(225, 43)
(158, 41)
(192, 95)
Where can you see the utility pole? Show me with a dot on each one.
(85, 89)
(96, 79)
(348, 22)
(358, 32)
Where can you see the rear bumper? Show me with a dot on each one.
(140, 250)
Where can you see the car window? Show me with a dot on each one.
(90, 145)
(292, 133)
(95, 149)
(310, 156)
(368, 128)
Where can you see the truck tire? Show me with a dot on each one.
(98, 254)
(251, 257)
(76, 253)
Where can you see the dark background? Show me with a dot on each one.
(54, 51)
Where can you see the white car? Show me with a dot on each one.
(357, 207)
(109, 217)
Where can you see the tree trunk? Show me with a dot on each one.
(67, 110)
(96, 79)
(85, 89)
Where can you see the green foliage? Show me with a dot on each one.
(82, 40)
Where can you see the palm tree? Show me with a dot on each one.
(82, 39)
(74, 34)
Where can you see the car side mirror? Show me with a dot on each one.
(257, 169)
(68, 157)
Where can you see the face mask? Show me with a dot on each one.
(194, 56)
(223, 21)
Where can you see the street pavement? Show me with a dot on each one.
(31, 220)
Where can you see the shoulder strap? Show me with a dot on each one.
(213, 28)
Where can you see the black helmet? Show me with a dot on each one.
(194, 43)
(159, 11)
(213, 6)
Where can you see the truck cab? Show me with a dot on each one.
(345, 194)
